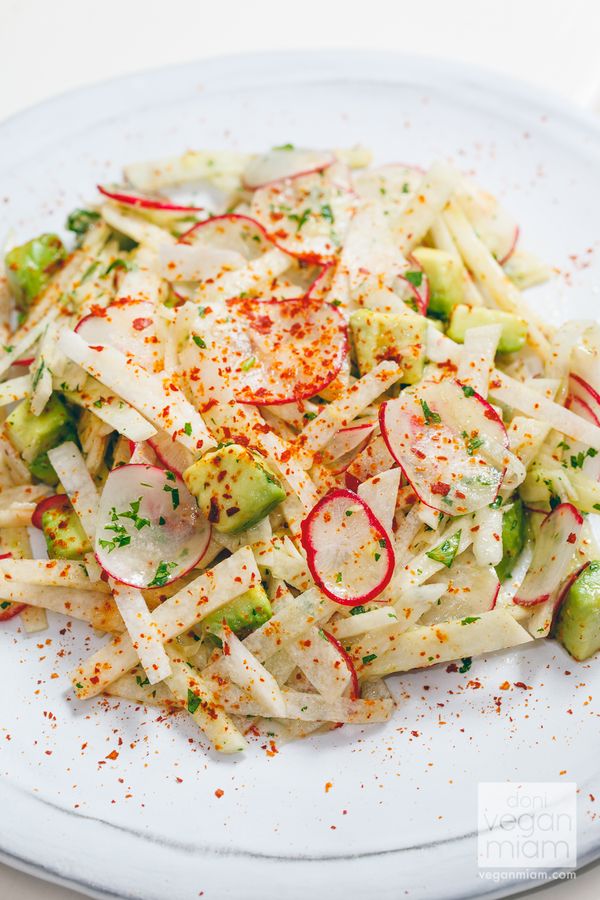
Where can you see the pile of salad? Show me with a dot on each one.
(282, 441)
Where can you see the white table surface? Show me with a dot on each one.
(50, 47)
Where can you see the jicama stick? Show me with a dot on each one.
(320, 662)
(477, 360)
(179, 613)
(74, 476)
(293, 616)
(54, 572)
(34, 619)
(142, 631)
(156, 398)
(427, 645)
(424, 205)
(110, 409)
(95, 607)
(15, 389)
(364, 622)
(245, 670)
(189, 687)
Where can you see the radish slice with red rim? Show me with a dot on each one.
(346, 440)
(128, 326)
(348, 551)
(26, 361)
(170, 453)
(241, 234)
(150, 530)
(581, 390)
(354, 686)
(281, 351)
(388, 185)
(443, 436)
(127, 197)
(282, 163)
(57, 501)
(553, 552)
(472, 589)
(588, 460)
(307, 216)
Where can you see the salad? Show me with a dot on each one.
(282, 425)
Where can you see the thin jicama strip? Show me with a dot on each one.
(135, 227)
(513, 393)
(245, 670)
(487, 540)
(442, 239)
(155, 397)
(55, 572)
(320, 662)
(34, 619)
(371, 461)
(342, 411)
(490, 274)
(426, 645)
(133, 687)
(24, 493)
(110, 409)
(179, 613)
(47, 361)
(280, 665)
(310, 707)
(15, 389)
(94, 607)
(16, 515)
(421, 568)
(74, 476)
(190, 688)
(195, 165)
(364, 622)
(379, 493)
(293, 616)
(144, 635)
(256, 275)
(424, 205)
(20, 346)
(477, 360)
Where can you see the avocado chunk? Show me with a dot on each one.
(32, 436)
(578, 623)
(247, 612)
(512, 336)
(65, 538)
(30, 267)
(514, 535)
(234, 487)
(445, 275)
(384, 335)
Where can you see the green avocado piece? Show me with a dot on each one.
(514, 535)
(234, 487)
(578, 623)
(445, 275)
(384, 335)
(65, 538)
(32, 436)
(247, 612)
(30, 266)
(514, 329)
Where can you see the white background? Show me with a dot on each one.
(49, 47)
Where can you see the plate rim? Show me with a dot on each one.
(364, 66)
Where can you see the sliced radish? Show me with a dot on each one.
(354, 686)
(280, 164)
(582, 390)
(319, 289)
(307, 216)
(24, 361)
(57, 501)
(582, 408)
(171, 454)
(389, 184)
(554, 549)
(346, 440)
(240, 234)
(127, 197)
(493, 224)
(472, 589)
(150, 531)
(128, 326)
(283, 351)
(590, 467)
(449, 443)
(348, 551)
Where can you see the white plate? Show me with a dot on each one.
(400, 815)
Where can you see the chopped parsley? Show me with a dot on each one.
(188, 428)
(327, 213)
(174, 492)
(5, 604)
(338, 577)
(284, 147)
(357, 610)
(309, 416)
(142, 681)
(248, 364)
(466, 664)
(118, 264)
(80, 220)
(431, 418)
(467, 390)
(446, 551)
(38, 374)
(473, 443)
(578, 461)
(133, 514)
(193, 701)
(468, 620)
(161, 576)
(415, 278)
(301, 219)
(368, 659)
(199, 342)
